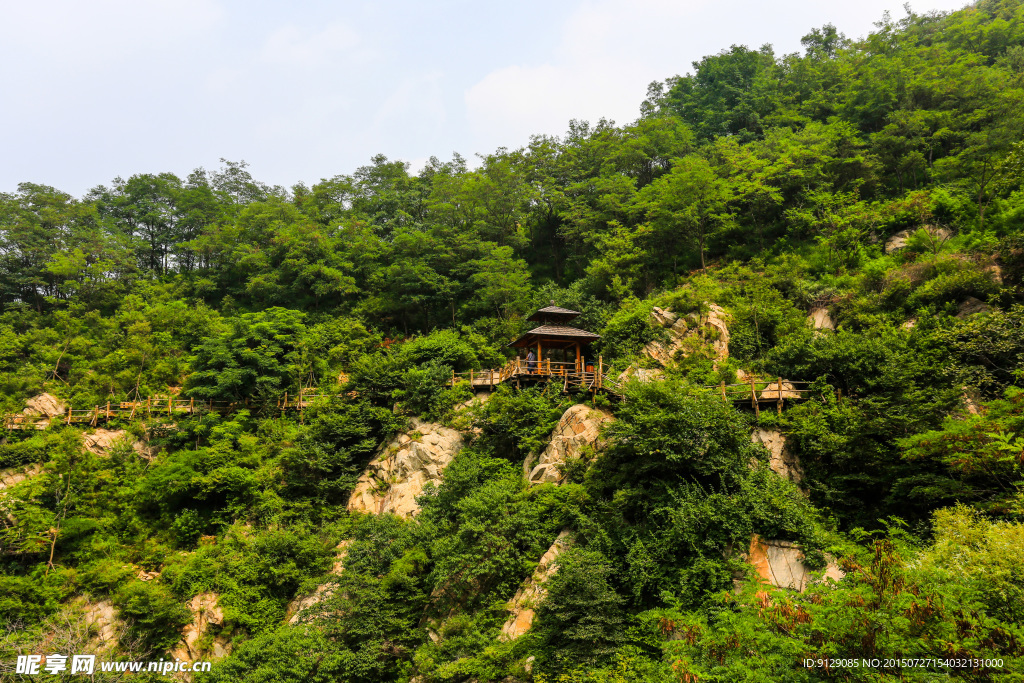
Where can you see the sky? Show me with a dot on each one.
(310, 89)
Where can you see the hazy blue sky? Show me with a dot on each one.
(93, 90)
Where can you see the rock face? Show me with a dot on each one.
(692, 327)
(780, 563)
(529, 596)
(578, 429)
(297, 606)
(398, 473)
(102, 442)
(640, 374)
(970, 306)
(820, 319)
(40, 411)
(15, 475)
(206, 613)
(782, 461)
(101, 619)
(900, 239)
(771, 391)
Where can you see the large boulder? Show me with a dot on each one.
(103, 441)
(820, 319)
(39, 412)
(522, 607)
(578, 430)
(774, 392)
(401, 470)
(781, 460)
(684, 333)
(781, 564)
(899, 240)
(15, 475)
(970, 306)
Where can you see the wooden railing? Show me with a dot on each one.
(763, 390)
(152, 407)
(589, 375)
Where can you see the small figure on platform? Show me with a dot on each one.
(531, 362)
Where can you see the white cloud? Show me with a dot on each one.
(291, 46)
(609, 50)
(79, 33)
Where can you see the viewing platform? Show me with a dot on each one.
(525, 373)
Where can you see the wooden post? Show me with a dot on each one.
(779, 404)
(284, 407)
(753, 398)
(600, 371)
(471, 378)
(108, 411)
(192, 406)
(170, 405)
(95, 415)
(149, 409)
(453, 377)
(578, 368)
(722, 388)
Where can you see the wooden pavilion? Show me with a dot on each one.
(554, 337)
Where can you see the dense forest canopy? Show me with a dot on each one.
(881, 179)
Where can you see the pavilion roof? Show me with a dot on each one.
(555, 333)
(553, 313)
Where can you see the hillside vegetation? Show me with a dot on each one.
(879, 179)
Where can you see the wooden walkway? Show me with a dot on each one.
(759, 392)
(154, 407)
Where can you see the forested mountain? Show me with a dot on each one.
(877, 180)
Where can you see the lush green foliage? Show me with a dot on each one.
(878, 179)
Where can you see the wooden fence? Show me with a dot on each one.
(152, 407)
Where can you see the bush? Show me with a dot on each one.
(155, 616)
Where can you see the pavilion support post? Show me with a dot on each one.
(578, 367)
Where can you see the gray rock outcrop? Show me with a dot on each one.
(820, 319)
(401, 470)
(325, 590)
(102, 442)
(39, 411)
(522, 607)
(579, 429)
(206, 616)
(899, 240)
(781, 564)
(781, 460)
(683, 331)
(15, 475)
